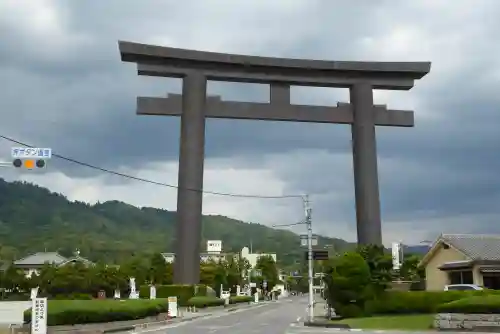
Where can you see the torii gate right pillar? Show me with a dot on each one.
(364, 152)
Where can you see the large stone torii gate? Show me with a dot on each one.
(193, 106)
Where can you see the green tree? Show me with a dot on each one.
(348, 283)
(214, 275)
(409, 269)
(233, 274)
(138, 267)
(13, 279)
(159, 269)
(71, 279)
(380, 265)
(269, 271)
(43, 280)
(107, 278)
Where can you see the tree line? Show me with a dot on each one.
(80, 281)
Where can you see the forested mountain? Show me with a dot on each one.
(33, 219)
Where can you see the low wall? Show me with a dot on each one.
(467, 322)
(13, 312)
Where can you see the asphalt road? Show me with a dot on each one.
(278, 318)
(281, 317)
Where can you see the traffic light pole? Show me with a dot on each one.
(308, 211)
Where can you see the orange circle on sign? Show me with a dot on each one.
(30, 164)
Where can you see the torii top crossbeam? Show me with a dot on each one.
(173, 62)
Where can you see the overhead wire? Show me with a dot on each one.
(140, 179)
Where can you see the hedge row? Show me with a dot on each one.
(206, 301)
(477, 304)
(70, 312)
(413, 302)
(182, 292)
(63, 311)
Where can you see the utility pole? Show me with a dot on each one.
(308, 223)
(308, 212)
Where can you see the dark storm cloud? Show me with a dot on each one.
(93, 93)
(75, 95)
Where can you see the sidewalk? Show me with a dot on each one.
(119, 326)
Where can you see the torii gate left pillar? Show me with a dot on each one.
(196, 67)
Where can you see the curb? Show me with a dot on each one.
(119, 329)
(152, 324)
(326, 325)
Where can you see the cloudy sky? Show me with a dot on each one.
(64, 87)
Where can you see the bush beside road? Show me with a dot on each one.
(207, 301)
(473, 305)
(415, 310)
(418, 302)
(69, 312)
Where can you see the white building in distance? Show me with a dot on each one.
(252, 258)
(218, 256)
(204, 257)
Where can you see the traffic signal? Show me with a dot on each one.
(318, 255)
(29, 163)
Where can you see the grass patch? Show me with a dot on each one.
(404, 322)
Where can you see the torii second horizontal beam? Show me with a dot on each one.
(217, 108)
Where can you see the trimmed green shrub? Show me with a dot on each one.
(240, 299)
(412, 302)
(477, 304)
(350, 311)
(208, 301)
(182, 292)
(348, 282)
(202, 290)
(205, 301)
(71, 312)
(75, 296)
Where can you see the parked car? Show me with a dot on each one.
(462, 287)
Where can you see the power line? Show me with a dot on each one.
(109, 171)
(292, 224)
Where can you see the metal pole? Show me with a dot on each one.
(309, 257)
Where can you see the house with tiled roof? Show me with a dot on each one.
(463, 259)
(33, 263)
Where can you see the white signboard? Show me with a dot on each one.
(39, 316)
(31, 152)
(152, 292)
(172, 307)
(34, 293)
(214, 246)
(303, 240)
(396, 255)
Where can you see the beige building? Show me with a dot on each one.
(463, 259)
